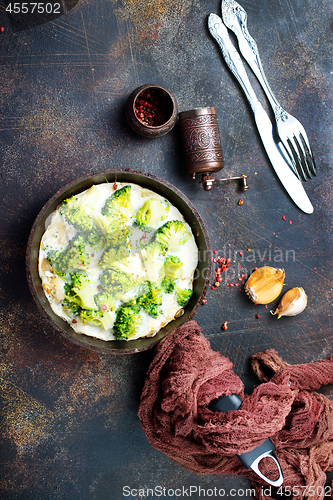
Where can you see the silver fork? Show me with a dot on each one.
(290, 130)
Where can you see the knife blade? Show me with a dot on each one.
(274, 151)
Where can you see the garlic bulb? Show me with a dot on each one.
(292, 303)
(265, 284)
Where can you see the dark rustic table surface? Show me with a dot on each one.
(69, 425)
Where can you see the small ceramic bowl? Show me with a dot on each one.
(151, 110)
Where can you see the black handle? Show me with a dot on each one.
(251, 458)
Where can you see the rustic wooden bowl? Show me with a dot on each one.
(158, 186)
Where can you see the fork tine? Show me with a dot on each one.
(296, 155)
(308, 159)
(312, 165)
(290, 157)
(307, 150)
(303, 156)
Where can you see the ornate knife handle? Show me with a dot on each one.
(235, 18)
(232, 58)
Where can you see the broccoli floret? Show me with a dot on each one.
(152, 256)
(168, 285)
(173, 269)
(123, 196)
(118, 204)
(98, 229)
(114, 230)
(95, 239)
(104, 225)
(113, 254)
(73, 307)
(79, 300)
(97, 318)
(172, 234)
(79, 292)
(70, 259)
(127, 321)
(132, 266)
(183, 296)
(152, 212)
(72, 210)
(122, 276)
(111, 279)
(118, 238)
(105, 300)
(117, 283)
(151, 301)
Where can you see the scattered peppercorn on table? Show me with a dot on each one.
(69, 419)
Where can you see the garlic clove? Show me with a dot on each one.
(292, 303)
(265, 284)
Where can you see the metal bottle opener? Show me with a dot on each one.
(252, 458)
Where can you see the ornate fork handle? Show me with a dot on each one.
(235, 18)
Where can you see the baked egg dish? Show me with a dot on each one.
(117, 261)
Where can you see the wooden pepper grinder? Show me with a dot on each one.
(202, 146)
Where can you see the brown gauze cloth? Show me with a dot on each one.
(186, 374)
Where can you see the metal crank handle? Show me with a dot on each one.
(232, 59)
(207, 181)
(235, 18)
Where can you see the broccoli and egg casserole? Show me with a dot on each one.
(117, 262)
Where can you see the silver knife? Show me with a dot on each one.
(281, 165)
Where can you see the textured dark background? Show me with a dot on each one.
(69, 426)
